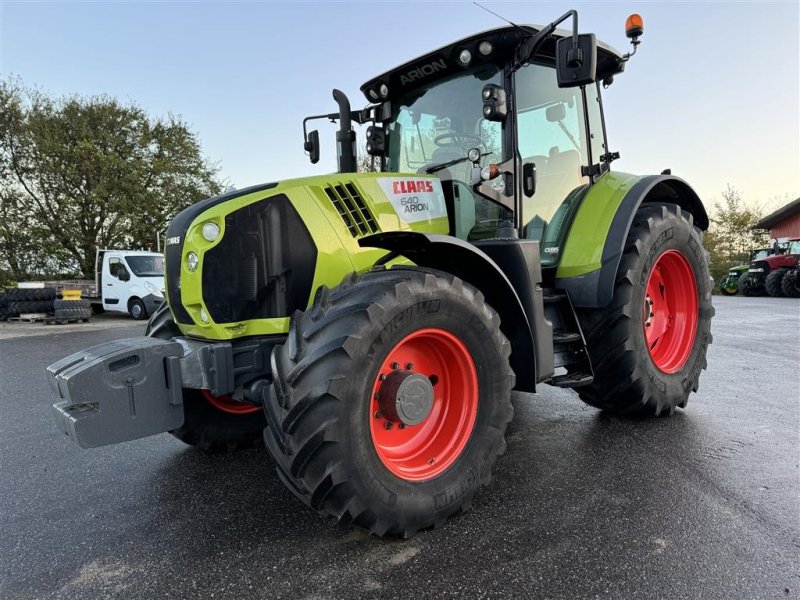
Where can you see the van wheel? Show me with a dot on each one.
(137, 310)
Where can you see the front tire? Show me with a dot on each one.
(750, 285)
(213, 425)
(649, 345)
(345, 439)
(774, 282)
(137, 309)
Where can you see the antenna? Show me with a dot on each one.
(502, 18)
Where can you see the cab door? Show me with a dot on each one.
(556, 133)
(115, 283)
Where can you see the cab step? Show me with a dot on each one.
(572, 380)
(569, 346)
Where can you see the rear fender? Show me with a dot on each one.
(586, 272)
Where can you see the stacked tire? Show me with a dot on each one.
(72, 310)
(19, 301)
(3, 305)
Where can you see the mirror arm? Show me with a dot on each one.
(531, 46)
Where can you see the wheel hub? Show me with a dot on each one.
(406, 397)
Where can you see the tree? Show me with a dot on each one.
(731, 236)
(79, 173)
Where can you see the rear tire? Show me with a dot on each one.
(649, 345)
(774, 281)
(790, 286)
(335, 451)
(206, 426)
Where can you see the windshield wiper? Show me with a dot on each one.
(449, 163)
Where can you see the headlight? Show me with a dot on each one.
(210, 231)
(756, 270)
(153, 289)
(192, 261)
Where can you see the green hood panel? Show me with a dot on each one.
(337, 210)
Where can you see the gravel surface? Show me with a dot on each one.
(10, 330)
(700, 505)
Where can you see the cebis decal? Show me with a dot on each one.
(414, 199)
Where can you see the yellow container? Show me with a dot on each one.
(71, 294)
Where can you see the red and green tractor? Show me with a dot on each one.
(777, 274)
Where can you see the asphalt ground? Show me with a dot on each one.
(704, 504)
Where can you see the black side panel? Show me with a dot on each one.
(264, 265)
(519, 260)
(176, 235)
(471, 264)
(595, 289)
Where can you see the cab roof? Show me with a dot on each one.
(504, 41)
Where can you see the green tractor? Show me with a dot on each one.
(730, 285)
(370, 327)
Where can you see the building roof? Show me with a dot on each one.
(779, 215)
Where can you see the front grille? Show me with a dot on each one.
(352, 209)
(264, 265)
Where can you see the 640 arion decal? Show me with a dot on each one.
(414, 198)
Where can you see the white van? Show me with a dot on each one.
(130, 281)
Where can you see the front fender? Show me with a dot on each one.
(469, 263)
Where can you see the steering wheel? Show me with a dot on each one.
(458, 139)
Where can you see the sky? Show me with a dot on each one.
(713, 92)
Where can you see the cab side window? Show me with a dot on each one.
(552, 135)
(117, 269)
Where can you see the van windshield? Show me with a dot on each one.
(146, 266)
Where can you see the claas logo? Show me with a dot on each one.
(412, 187)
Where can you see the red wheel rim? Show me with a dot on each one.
(229, 405)
(670, 311)
(423, 451)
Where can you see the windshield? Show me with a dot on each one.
(146, 266)
(761, 253)
(437, 125)
(794, 247)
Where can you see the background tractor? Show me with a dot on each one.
(768, 275)
(371, 326)
(729, 286)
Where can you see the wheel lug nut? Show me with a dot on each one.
(378, 414)
(382, 377)
(387, 425)
(402, 425)
(431, 461)
(410, 367)
(395, 365)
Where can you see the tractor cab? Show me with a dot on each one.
(537, 143)
(508, 120)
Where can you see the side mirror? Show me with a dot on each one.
(495, 107)
(576, 65)
(556, 113)
(376, 141)
(311, 145)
